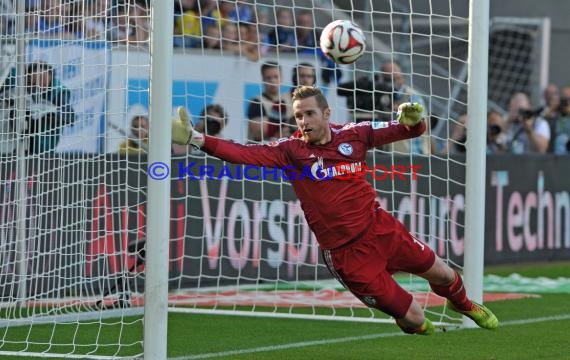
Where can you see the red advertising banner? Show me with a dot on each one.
(84, 214)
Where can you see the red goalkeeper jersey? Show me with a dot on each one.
(337, 210)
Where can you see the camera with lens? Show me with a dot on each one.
(525, 114)
(494, 130)
(496, 136)
(367, 97)
(213, 125)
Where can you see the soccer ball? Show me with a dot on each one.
(343, 42)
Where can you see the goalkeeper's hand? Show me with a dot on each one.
(182, 131)
(410, 114)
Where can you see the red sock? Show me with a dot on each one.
(455, 292)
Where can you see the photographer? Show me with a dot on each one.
(551, 107)
(49, 107)
(137, 141)
(562, 128)
(526, 131)
(213, 119)
(368, 99)
(496, 138)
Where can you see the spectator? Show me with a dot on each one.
(562, 128)
(222, 12)
(230, 39)
(213, 119)
(137, 142)
(95, 15)
(32, 18)
(7, 18)
(188, 28)
(282, 37)
(496, 138)
(263, 28)
(394, 80)
(209, 13)
(456, 142)
(368, 99)
(55, 20)
(212, 38)
(565, 92)
(303, 74)
(551, 106)
(270, 114)
(8, 110)
(249, 41)
(73, 19)
(49, 17)
(526, 131)
(305, 31)
(130, 24)
(307, 43)
(550, 111)
(8, 131)
(231, 11)
(139, 17)
(49, 108)
(120, 29)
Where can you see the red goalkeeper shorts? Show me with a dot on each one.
(365, 266)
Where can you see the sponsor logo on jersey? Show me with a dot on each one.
(345, 149)
(380, 124)
(340, 170)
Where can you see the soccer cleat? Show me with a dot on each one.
(427, 328)
(480, 314)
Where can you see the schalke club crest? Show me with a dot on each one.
(345, 149)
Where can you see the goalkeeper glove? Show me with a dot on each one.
(182, 131)
(410, 114)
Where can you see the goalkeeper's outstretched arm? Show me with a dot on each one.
(261, 155)
(408, 125)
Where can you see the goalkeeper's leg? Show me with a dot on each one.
(415, 322)
(447, 283)
(390, 298)
(376, 289)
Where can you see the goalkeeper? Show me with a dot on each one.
(362, 244)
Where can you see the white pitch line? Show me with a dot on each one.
(537, 320)
(349, 339)
(287, 346)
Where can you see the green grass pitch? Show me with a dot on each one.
(531, 328)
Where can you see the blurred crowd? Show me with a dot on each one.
(252, 30)
(526, 128)
(230, 26)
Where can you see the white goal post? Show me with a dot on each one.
(97, 248)
(475, 185)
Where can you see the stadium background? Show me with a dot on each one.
(101, 199)
(547, 236)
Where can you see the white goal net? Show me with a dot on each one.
(74, 139)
